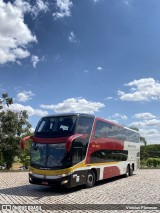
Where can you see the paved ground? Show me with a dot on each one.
(142, 188)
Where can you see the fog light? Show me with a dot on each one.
(64, 182)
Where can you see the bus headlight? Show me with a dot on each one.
(30, 172)
(65, 174)
(64, 182)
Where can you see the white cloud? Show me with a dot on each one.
(72, 37)
(14, 33)
(149, 132)
(146, 123)
(145, 89)
(64, 7)
(144, 116)
(75, 105)
(113, 120)
(148, 127)
(20, 53)
(24, 96)
(99, 68)
(109, 98)
(31, 112)
(119, 116)
(35, 59)
(40, 7)
(23, 6)
(152, 135)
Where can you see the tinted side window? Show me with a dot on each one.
(102, 156)
(77, 156)
(107, 130)
(84, 125)
(100, 130)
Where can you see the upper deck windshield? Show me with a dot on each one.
(58, 126)
(63, 126)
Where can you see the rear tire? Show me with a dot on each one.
(127, 172)
(90, 182)
(131, 171)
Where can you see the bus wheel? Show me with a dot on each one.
(127, 172)
(90, 179)
(131, 171)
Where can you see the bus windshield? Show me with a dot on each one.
(49, 155)
(58, 126)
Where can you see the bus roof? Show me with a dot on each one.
(69, 114)
(89, 115)
(131, 129)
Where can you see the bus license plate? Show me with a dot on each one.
(44, 183)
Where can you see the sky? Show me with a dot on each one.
(100, 57)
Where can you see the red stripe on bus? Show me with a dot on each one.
(111, 171)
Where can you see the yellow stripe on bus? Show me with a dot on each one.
(68, 170)
(56, 172)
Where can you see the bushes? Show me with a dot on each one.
(150, 156)
(150, 162)
(25, 160)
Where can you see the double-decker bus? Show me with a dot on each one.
(75, 149)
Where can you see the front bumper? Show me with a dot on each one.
(66, 180)
(50, 180)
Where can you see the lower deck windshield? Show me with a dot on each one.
(49, 156)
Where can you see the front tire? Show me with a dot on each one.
(90, 182)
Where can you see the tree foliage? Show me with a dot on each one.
(150, 151)
(12, 126)
(5, 100)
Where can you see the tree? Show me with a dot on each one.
(5, 100)
(150, 151)
(142, 139)
(12, 126)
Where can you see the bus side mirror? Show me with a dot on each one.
(22, 142)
